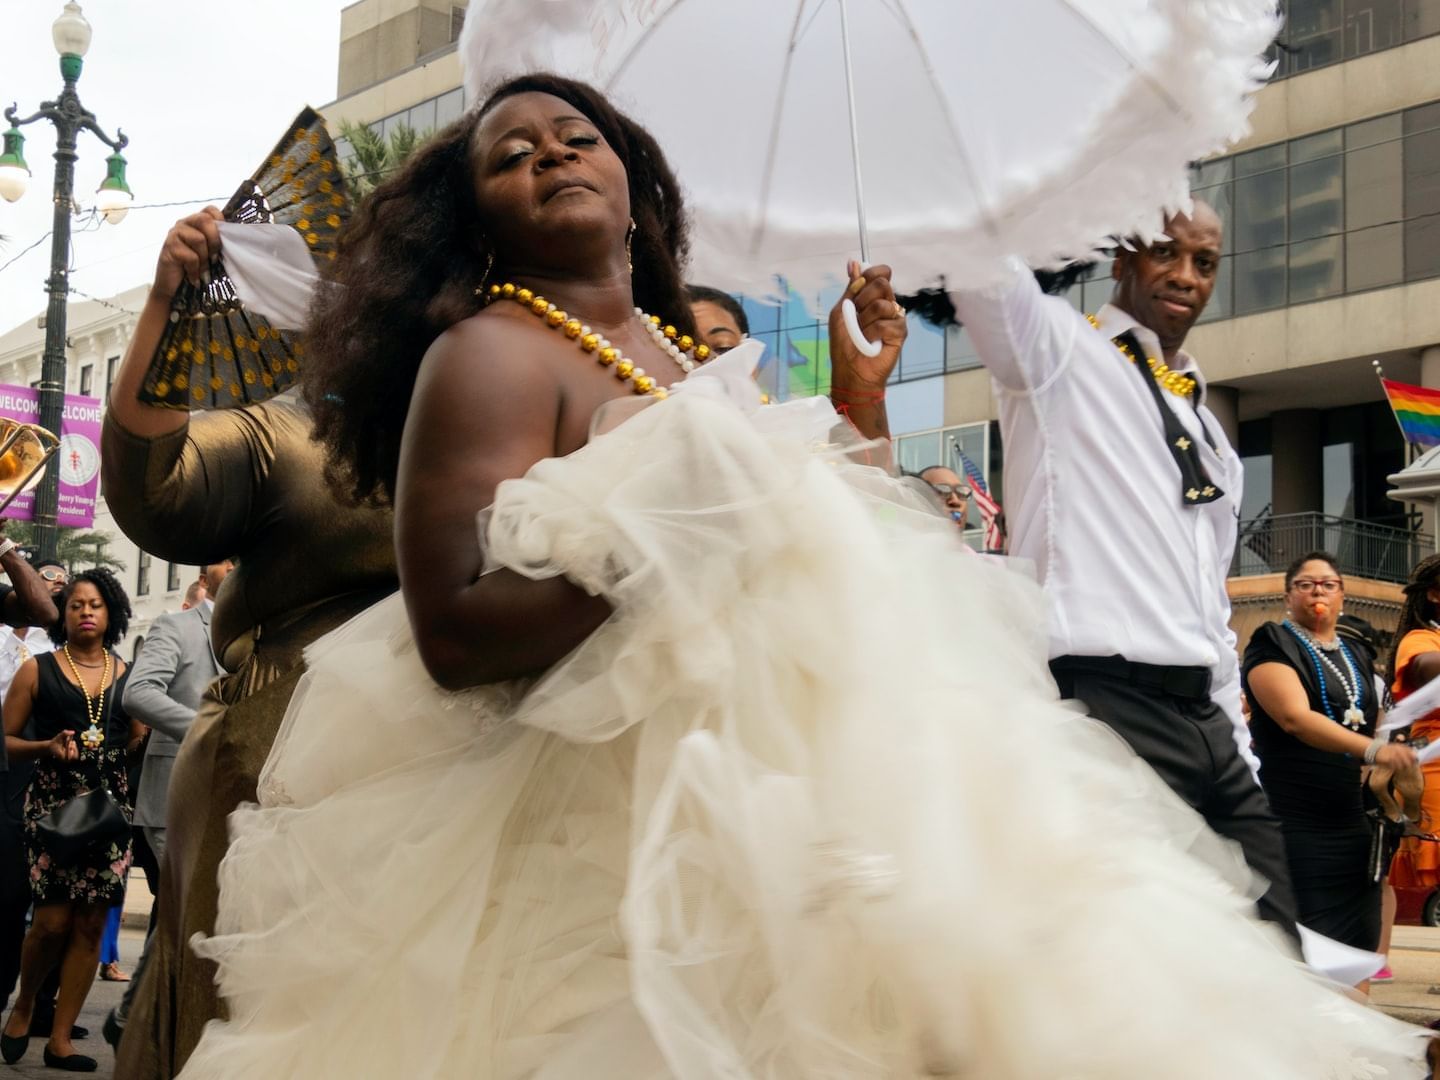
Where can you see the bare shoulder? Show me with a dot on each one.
(489, 387)
(489, 351)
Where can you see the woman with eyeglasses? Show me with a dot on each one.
(1313, 714)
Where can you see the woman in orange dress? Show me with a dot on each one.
(1414, 661)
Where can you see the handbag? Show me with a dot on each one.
(85, 823)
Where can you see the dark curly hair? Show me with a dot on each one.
(117, 603)
(1418, 610)
(407, 267)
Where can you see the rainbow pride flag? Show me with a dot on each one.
(1418, 411)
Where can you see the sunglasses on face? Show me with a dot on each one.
(946, 490)
(52, 575)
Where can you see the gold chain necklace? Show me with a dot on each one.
(1177, 383)
(680, 347)
(93, 736)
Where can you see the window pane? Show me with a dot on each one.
(1374, 193)
(1221, 304)
(1260, 211)
(924, 352)
(422, 117)
(1266, 159)
(1422, 173)
(1422, 18)
(1316, 269)
(1222, 199)
(1373, 257)
(1259, 280)
(1373, 132)
(960, 354)
(1313, 147)
(448, 107)
(1316, 198)
(1422, 248)
(1313, 33)
(1209, 173)
(1371, 25)
(1337, 471)
(919, 451)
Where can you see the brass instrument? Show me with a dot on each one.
(24, 450)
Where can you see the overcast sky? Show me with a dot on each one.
(203, 88)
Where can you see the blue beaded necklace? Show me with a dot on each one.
(1354, 715)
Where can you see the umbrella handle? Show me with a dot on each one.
(852, 324)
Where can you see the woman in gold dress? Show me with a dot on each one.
(248, 483)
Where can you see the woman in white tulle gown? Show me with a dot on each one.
(743, 766)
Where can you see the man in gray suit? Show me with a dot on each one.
(166, 684)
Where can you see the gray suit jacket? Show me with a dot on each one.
(165, 687)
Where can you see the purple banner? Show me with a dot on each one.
(78, 458)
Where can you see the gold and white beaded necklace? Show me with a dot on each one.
(681, 348)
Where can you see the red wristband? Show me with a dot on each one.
(845, 398)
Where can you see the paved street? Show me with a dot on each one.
(102, 998)
(1415, 959)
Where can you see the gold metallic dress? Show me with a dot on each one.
(246, 483)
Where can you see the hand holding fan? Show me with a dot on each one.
(217, 354)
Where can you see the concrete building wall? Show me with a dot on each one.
(382, 39)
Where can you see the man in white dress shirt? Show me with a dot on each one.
(1121, 487)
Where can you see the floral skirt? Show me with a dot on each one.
(100, 878)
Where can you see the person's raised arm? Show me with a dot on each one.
(188, 249)
(1023, 337)
(180, 486)
(483, 411)
(30, 604)
(857, 382)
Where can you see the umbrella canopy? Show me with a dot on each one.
(1034, 128)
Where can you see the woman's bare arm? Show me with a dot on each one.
(484, 410)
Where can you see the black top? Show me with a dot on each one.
(60, 704)
(1306, 784)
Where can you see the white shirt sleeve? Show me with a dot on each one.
(1023, 337)
(1225, 693)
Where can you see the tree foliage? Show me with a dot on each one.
(376, 157)
(78, 549)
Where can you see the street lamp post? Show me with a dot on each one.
(71, 34)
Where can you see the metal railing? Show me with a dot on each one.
(1267, 545)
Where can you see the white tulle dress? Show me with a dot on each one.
(806, 806)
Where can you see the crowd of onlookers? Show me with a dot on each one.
(79, 719)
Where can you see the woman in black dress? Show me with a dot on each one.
(81, 734)
(1313, 710)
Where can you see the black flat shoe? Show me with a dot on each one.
(70, 1062)
(13, 1047)
(41, 1025)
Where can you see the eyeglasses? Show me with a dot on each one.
(53, 574)
(1328, 585)
(946, 490)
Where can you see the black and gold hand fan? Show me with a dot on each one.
(215, 354)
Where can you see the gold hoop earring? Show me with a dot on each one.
(629, 239)
(489, 264)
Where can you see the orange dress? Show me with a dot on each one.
(1417, 863)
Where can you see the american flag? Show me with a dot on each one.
(990, 512)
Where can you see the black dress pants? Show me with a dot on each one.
(1190, 742)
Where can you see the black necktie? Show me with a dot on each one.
(1196, 486)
